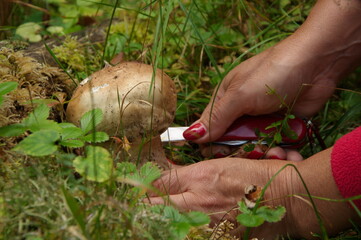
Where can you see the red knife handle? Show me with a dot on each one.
(246, 128)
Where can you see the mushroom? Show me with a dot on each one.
(138, 104)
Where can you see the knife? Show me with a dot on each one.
(247, 128)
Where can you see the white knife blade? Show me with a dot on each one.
(175, 134)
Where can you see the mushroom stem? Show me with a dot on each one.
(140, 152)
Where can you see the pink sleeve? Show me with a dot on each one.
(346, 164)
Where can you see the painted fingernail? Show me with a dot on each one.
(275, 157)
(194, 132)
(255, 155)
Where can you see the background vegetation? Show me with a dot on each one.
(195, 42)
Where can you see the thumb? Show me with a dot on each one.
(215, 120)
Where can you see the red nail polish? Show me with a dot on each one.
(255, 155)
(275, 157)
(194, 132)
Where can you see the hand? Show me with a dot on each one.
(303, 70)
(215, 187)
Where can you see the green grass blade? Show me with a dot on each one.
(59, 63)
(76, 211)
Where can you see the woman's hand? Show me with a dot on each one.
(215, 187)
(302, 70)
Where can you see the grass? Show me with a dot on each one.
(197, 43)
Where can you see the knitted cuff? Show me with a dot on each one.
(346, 164)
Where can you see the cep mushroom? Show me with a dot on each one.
(138, 104)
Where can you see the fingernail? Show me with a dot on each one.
(275, 157)
(194, 132)
(255, 154)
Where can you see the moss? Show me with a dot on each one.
(36, 83)
(71, 52)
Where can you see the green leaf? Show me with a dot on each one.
(287, 130)
(38, 144)
(7, 87)
(75, 209)
(271, 214)
(197, 218)
(243, 207)
(250, 220)
(29, 31)
(125, 168)
(37, 120)
(91, 119)
(96, 137)
(249, 147)
(96, 166)
(40, 113)
(45, 125)
(277, 137)
(70, 133)
(12, 130)
(72, 143)
(180, 229)
(274, 125)
(149, 172)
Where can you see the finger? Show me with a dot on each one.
(186, 201)
(293, 155)
(170, 182)
(215, 120)
(257, 152)
(276, 153)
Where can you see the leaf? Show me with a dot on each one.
(45, 125)
(271, 214)
(7, 87)
(243, 207)
(75, 209)
(29, 31)
(274, 125)
(287, 130)
(38, 144)
(250, 220)
(180, 229)
(91, 119)
(37, 120)
(96, 137)
(12, 130)
(72, 143)
(277, 137)
(70, 133)
(125, 168)
(249, 147)
(149, 172)
(39, 114)
(96, 166)
(197, 218)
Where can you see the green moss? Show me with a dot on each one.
(72, 54)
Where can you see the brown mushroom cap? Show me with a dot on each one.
(135, 102)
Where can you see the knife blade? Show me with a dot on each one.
(246, 129)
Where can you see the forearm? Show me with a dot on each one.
(330, 38)
(301, 220)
